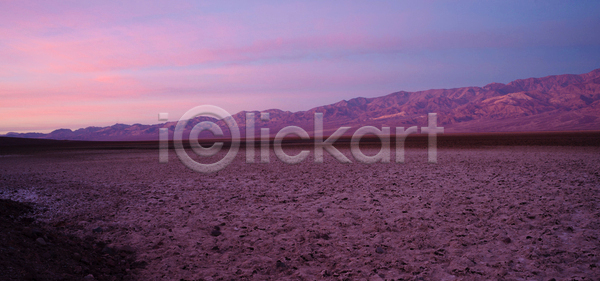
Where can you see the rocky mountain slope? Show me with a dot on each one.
(553, 103)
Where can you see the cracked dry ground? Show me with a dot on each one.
(514, 213)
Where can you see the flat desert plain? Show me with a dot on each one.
(496, 213)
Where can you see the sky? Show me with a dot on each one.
(74, 64)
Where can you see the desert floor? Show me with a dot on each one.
(514, 213)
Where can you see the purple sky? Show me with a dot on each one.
(83, 63)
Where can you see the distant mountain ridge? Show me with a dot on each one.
(566, 102)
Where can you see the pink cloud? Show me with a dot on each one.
(71, 60)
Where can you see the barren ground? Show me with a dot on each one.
(514, 213)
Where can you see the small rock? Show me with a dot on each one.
(41, 241)
(307, 257)
(507, 240)
(319, 210)
(379, 250)
(108, 250)
(127, 249)
(97, 230)
(281, 264)
(216, 231)
(89, 277)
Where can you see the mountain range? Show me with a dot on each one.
(566, 102)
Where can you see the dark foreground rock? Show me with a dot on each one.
(31, 251)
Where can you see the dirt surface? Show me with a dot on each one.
(513, 213)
